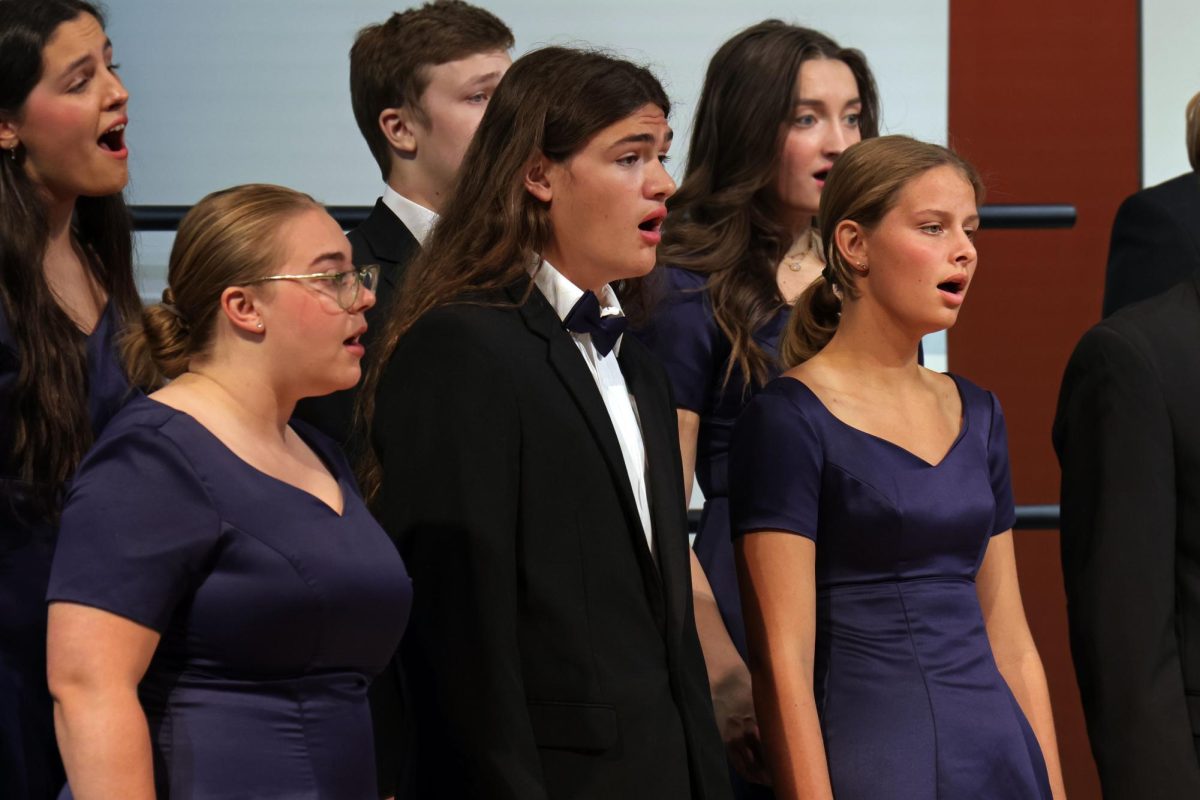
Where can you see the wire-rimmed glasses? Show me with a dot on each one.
(346, 286)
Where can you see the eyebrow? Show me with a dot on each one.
(804, 101)
(85, 58)
(489, 77)
(330, 256)
(638, 138)
(944, 214)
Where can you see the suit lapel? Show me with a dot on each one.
(389, 241)
(663, 469)
(568, 363)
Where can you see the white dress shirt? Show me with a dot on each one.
(417, 218)
(621, 405)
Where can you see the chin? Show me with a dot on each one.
(642, 265)
(107, 188)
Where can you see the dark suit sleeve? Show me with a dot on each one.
(1147, 255)
(447, 433)
(1113, 435)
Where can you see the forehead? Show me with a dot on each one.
(943, 187)
(459, 71)
(647, 120)
(820, 78)
(311, 233)
(73, 39)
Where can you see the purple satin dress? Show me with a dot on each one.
(30, 768)
(275, 612)
(911, 702)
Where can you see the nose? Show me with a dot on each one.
(366, 299)
(837, 139)
(659, 183)
(965, 254)
(117, 95)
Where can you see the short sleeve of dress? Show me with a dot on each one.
(138, 529)
(776, 463)
(682, 334)
(998, 470)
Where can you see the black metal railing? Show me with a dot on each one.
(1029, 518)
(1011, 216)
(1001, 216)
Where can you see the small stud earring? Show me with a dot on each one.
(259, 325)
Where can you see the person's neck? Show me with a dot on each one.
(798, 226)
(242, 393)
(582, 278)
(61, 258)
(871, 342)
(411, 184)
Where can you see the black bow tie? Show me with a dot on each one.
(585, 317)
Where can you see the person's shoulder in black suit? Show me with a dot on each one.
(1155, 242)
(1125, 435)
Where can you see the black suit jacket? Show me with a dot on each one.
(1155, 242)
(548, 654)
(1127, 434)
(384, 240)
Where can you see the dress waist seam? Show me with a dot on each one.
(894, 582)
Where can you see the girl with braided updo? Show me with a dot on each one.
(872, 505)
(215, 560)
(66, 288)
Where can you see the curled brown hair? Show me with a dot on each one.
(863, 186)
(551, 102)
(390, 61)
(227, 239)
(725, 219)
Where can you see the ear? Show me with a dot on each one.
(8, 134)
(397, 127)
(537, 178)
(243, 308)
(850, 238)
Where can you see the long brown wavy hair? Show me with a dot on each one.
(551, 102)
(863, 186)
(725, 219)
(51, 427)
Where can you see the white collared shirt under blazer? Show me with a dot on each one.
(621, 405)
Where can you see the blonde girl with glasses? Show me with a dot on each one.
(218, 578)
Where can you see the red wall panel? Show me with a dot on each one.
(1044, 100)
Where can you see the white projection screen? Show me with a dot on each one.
(228, 91)
(1170, 76)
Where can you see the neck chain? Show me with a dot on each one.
(794, 258)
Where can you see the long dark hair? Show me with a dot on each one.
(550, 102)
(725, 219)
(52, 430)
(863, 186)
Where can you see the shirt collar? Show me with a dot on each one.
(417, 218)
(563, 295)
